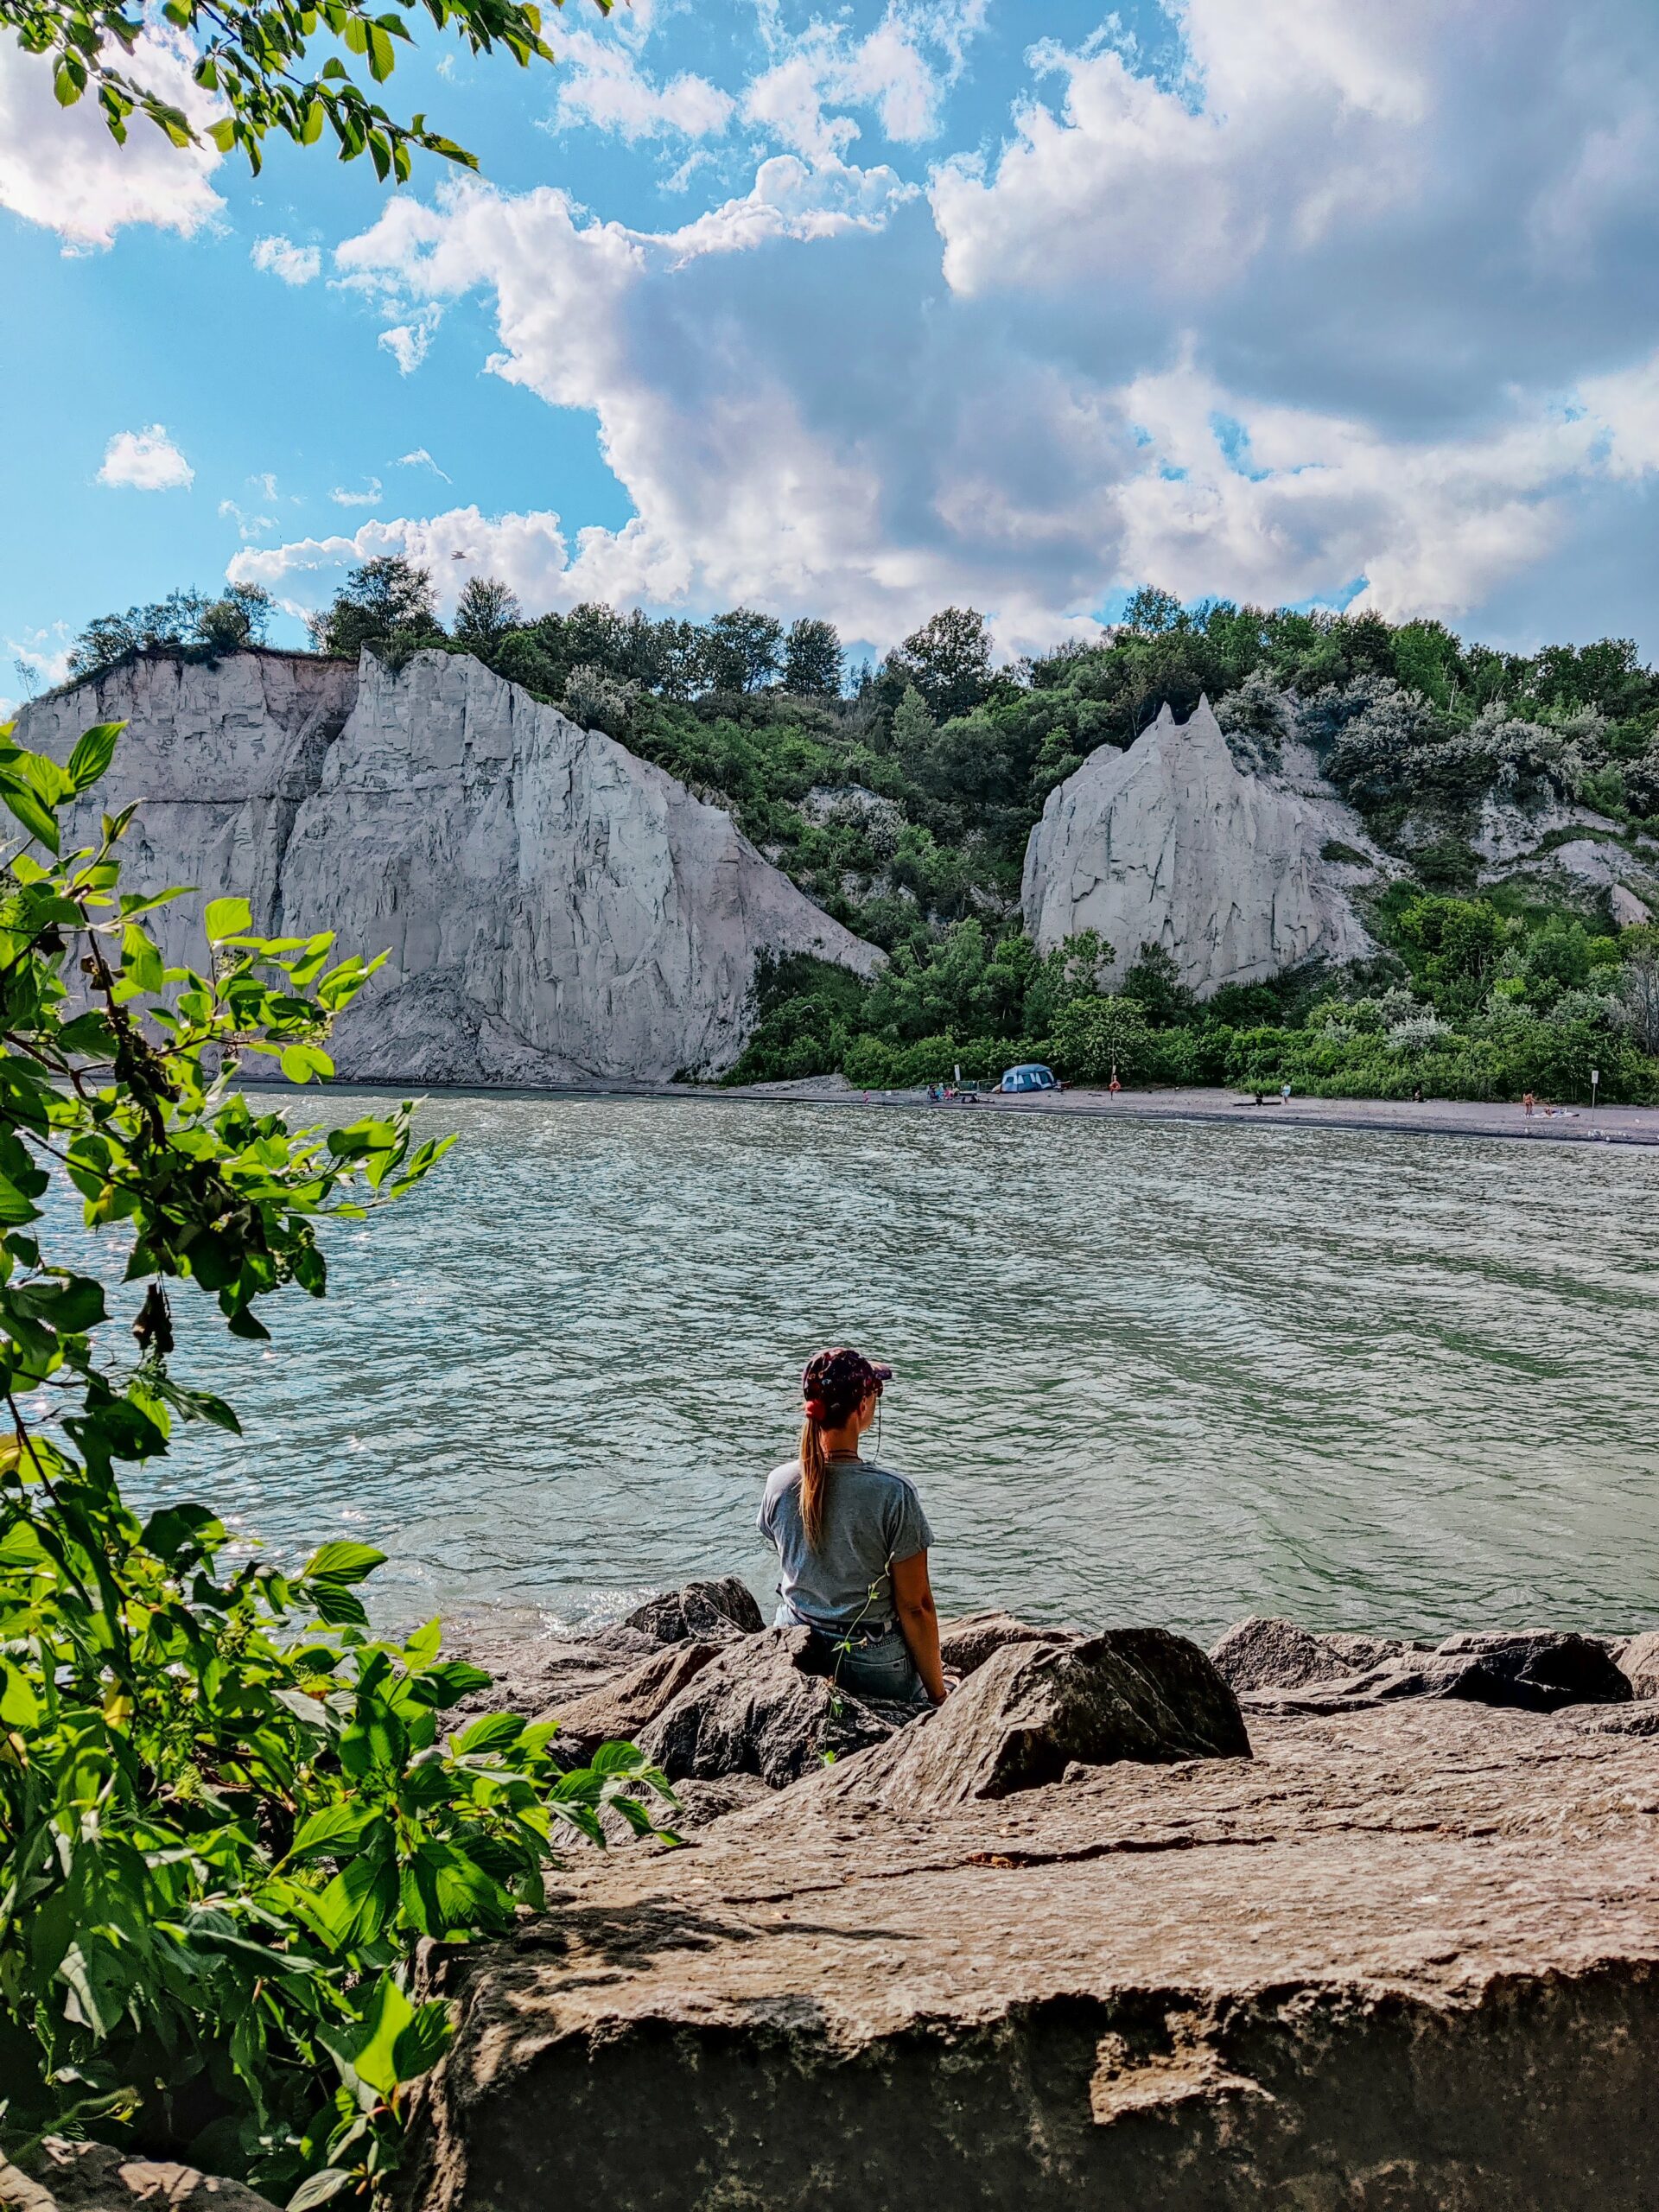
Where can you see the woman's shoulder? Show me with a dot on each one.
(783, 1477)
(884, 1475)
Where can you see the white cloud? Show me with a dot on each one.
(408, 342)
(59, 167)
(1287, 317)
(420, 459)
(280, 256)
(601, 83)
(527, 552)
(369, 496)
(248, 527)
(890, 72)
(147, 460)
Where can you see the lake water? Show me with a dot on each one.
(1147, 1371)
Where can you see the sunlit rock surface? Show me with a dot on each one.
(1172, 844)
(555, 908)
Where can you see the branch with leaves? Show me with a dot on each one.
(229, 1811)
(259, 60)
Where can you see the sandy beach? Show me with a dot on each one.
(1433, 1118)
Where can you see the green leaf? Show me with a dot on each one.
(449, 1681)
(386, 2017)
(342, 1562)
(24, 802)
(94, 750)
(360, 1901)
(321, 2188)
(492, 1734)
(418, 2047)
(227, 918)
(301, 1062)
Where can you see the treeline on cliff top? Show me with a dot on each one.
(899, 794)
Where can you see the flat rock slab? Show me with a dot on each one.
(1402, 1961)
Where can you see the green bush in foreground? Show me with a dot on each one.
(228, 1813)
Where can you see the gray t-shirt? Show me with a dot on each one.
(871, 1517)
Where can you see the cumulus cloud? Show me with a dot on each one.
(368, 496)
(59, 167)
(527, 552)
(897, 73)
(601, 83)
(280, 256)
(147, 460)
(1332, 303)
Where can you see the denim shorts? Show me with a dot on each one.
(877, 1666)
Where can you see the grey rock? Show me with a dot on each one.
(1171, 843)
(1638, 1660)
(1403, 1961)
(556, 909)
(967, 1643)
(699, 1803)
(1033, 1709)
(1266, 1654)
(758, 1708)
(711, 1609)
(616, 1713)
(1539, 1671)
(67, 2177)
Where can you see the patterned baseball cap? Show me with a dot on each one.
(834, 1383)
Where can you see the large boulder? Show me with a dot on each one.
(1171, 843)
(554, 908)
(967, 1643)
(65, 2176)
(712, 1611)
(616, 1713)
(1639, 1662)
(1262, 1654)
(1539, 1670)
(1033, 1710)
(759, 1707)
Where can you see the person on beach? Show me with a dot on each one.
(1526, 1104)
(1113, 1086)
(852, 1542)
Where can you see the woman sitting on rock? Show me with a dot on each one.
(852, 1540)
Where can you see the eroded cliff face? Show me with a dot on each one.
(555, 908)
(1171, 843)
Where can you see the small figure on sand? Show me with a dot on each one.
(1417, 1094)
(1113, 1086)
(852, 1542)
(1527, 1104)
(1284, 1092)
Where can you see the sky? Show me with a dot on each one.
(859, 312)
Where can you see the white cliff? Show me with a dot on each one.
(555, 908)
(1171, 843)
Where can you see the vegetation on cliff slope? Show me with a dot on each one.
(901, 796)
(229, 1812)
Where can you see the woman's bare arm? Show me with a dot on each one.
(912, 1597)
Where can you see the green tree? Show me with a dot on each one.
(1154, 983)
(812, 659)
(229, 1813)
(741, 650)
(948, 660)
(913, 733)
(384, 601)
(185, 621)
(485, 614)
(1095, 1038)
(257, 59)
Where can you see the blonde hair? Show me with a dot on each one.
(815, 1481)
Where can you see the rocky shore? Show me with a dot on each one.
(1324, 1922)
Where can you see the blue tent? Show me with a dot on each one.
(1030, 1075)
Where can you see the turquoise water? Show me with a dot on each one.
(1147, 1371)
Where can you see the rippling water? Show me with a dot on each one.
(1147, 1371)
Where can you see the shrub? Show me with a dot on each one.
(228, 1813)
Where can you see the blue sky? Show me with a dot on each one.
(860, 311)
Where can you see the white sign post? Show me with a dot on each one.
(1595, 1077)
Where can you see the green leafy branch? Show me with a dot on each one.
(257, 59)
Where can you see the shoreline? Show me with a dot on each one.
(1434, 1117)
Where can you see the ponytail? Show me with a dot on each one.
(814, 1476)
